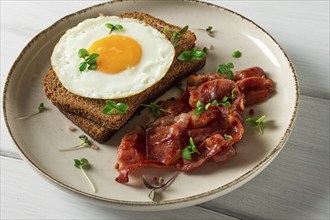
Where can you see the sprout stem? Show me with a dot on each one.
(90, 182)
(72, 148)
(28, 116)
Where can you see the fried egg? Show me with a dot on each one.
(130, 60)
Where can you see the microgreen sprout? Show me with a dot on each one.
(40, 109)
(155, 109)
(236, 54)
(189, 150)
(166, 31)
(191, 55)
(209, 29)
(85, 142)
(114, 27)
(83, 164)
(111, 106)
(200, 108)
(175, 35)
(258, 122)
(89, 60)
(226, 69)
(214, 103)
(227, 136)
(225, 100)
(157, 183)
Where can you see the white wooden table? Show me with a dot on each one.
(294, 186)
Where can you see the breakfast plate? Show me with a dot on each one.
(39, 138)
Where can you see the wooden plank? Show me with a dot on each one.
(25, 195)
(296, 184)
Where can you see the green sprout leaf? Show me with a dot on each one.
(92, 67)
(200, 108)
(207, 105)
(83, 66)
(166, 31)
(119, 27)
(186, 154)
(226, 104)
(83, 164)
(121, 108)
(176, 35)
(41, 108)
(258, 122)
(225, 100)
(215, 103)
(114, 27)
(209, 29)
(110, 26)
(189, 150)
(226, 69)
(85, 142)
(191, 55)
(230, 65)
(111, 106)
(82, 53)
(236, 54)
(232, 95)
(89, 60)
(227, 136)
(155, 109)
(183, 30)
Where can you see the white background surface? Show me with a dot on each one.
(294, 186)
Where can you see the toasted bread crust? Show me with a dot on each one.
(96, 131)
(77, 108)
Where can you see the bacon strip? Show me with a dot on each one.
(161, 142)
(249, 72)
(255, 85)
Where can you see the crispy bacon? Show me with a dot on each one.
(256, 89)
(196, 80)
(212, 90)
(214, 132)
(177, 106)
(255, 85)
(249, 72)
(225, 154)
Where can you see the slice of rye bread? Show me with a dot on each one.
(86, 112)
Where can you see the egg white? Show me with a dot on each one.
(157, 56)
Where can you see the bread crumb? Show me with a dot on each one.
(207, 48)
(71, 128)
(93, 146)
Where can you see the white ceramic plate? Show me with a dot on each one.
(39, 138)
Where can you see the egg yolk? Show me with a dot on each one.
(117, 53)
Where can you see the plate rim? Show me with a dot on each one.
(194, 198)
